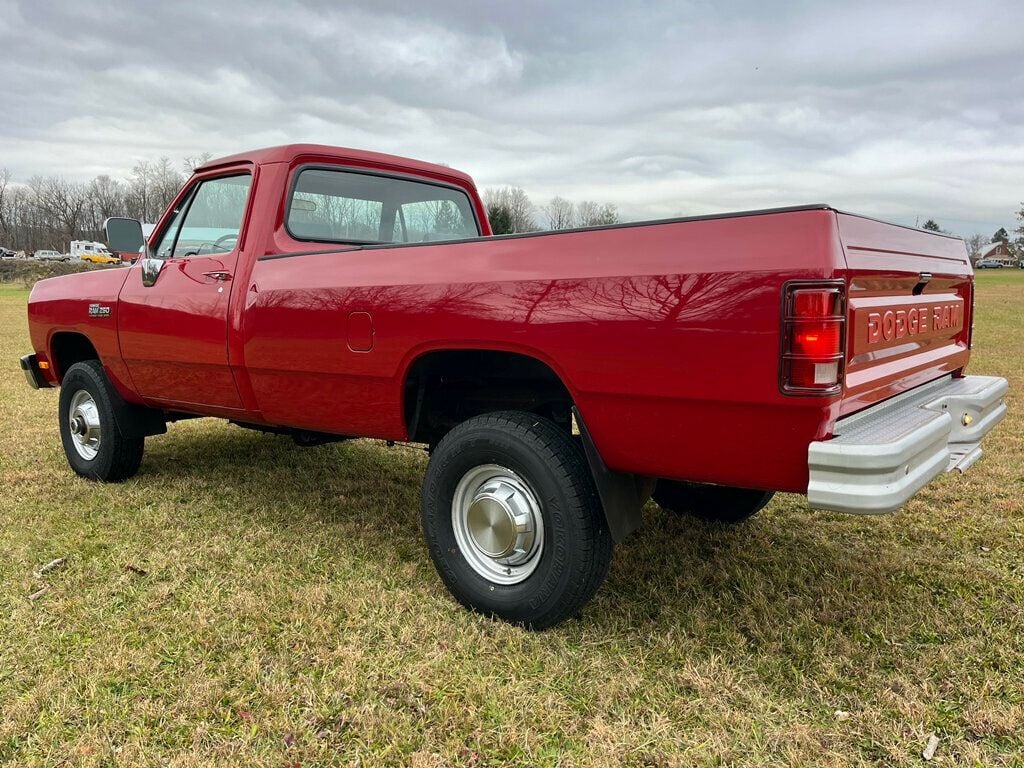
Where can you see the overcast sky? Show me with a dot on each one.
(899, 110)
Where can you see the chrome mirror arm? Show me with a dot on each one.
(151, 268)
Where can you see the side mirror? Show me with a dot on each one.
(124, 235)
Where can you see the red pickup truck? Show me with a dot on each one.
(558, 379)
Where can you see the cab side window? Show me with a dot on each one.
(209, 220)
(166, 245)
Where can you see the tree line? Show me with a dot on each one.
(510, 211)
(977, 242)
(48, 212)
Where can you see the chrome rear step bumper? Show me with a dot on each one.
(885, 454)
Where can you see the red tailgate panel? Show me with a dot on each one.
(909, 308)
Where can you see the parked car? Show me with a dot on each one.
(7, 253)
(49, 255)
(988, 264)
(558, 379)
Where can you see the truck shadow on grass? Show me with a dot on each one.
(788, 581)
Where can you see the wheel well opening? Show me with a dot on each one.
(445, 388)
(67, 348)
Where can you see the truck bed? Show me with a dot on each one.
(689, 308)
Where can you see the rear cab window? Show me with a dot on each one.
(343, 206)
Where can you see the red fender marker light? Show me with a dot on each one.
(813, 322)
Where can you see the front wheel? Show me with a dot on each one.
(714, 503)
(513, 521)
(93, 444)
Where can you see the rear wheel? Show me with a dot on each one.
(93, 444)
(513, 521)
(715, 503)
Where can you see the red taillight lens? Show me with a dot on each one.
(817, 339)
(811, 303)
(812, 343)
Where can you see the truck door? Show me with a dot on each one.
(173, 333)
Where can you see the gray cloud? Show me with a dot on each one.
(897, 110)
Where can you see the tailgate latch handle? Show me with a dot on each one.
(923, 279)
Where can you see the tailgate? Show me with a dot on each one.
(909, 309)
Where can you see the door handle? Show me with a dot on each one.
(218, 275)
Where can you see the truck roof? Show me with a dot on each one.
(286, 153)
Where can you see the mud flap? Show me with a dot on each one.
(135, 421)
(623, 495)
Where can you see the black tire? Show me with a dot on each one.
(714, 503)
(576, 548)
(116, 457)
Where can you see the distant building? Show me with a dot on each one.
(997, 251)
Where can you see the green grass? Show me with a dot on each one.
(289, 614)
(14, 291)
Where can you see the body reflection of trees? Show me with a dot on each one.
(307, 289)
(472, 299)
(663, 299)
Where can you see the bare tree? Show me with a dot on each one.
(592, 214)
(5, 178)
(1017, 249)
(21, 217)
(141, 190)
(974, 245)
(587, 212)
(560, 213)
(518, 205)
(166, 183)
(191, 162)
(107, 196)
(62, 202)
(153, 186)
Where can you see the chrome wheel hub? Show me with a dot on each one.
(84, 425)
(498, 525)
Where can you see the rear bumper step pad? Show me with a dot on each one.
(885, 454)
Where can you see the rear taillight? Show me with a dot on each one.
(813, 324)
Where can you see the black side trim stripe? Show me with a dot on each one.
(272, 256)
